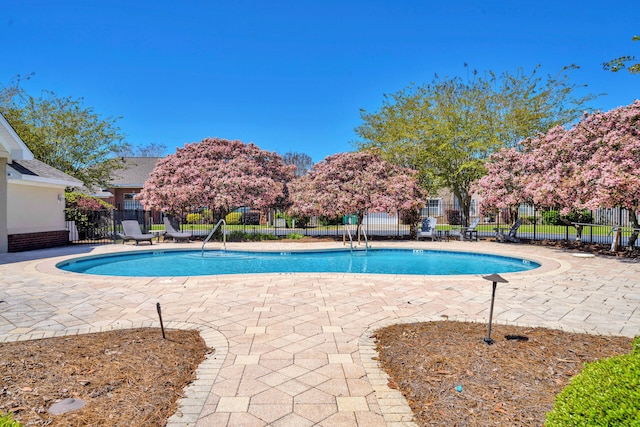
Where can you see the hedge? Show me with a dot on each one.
(605, 393)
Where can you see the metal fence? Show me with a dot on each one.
(89, 227)
(101, 227)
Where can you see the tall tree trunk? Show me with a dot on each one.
(464, 199)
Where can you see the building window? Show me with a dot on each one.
(473, 207)
(433, 208)
(130, 204)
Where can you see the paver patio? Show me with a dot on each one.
(295, 349)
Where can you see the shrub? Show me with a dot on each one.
(7, 421)
(236, 236)
(605, 393)
(251, 218)
(233, 218)
(194, 218)
(266, 236)
(301, 221)
(328, 220)
(77, 205)
(75, 200)
(454, 217)
(294, 236)
(551, 218)
(240, 236)
(206, 216)
(584, 216)
(85, 211)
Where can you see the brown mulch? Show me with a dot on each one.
(127, 378)
(451, 377)
(587, 247)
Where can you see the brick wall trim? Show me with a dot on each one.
(39, 240)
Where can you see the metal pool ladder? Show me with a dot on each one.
(366, 241)
(224, 235)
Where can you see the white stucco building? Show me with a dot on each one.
(31, 197)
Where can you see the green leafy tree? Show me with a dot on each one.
(63, 133)
(620, 63)
(447, 129)
(152, 149)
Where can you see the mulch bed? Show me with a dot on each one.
(593, 248)
(451, 377)
(127, 378)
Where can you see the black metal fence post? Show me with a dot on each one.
(115, 230)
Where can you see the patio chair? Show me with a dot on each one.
(467, 233)
(510, 236)
(132, 232)
(428, 229)
(174, 234)
(470, 232)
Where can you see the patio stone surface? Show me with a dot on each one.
(296, 349)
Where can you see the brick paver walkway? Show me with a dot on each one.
(295, 349)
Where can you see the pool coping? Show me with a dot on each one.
(147, 250)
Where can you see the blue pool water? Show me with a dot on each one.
(378, 261)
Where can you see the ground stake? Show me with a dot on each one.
(160, 316)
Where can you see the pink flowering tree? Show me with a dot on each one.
(217, 174)
(504, 185)
(354, 184)
(596, 163)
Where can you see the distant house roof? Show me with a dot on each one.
(135, 172)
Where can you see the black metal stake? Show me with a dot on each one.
(488, 339)
(160, 316)
(495, 278)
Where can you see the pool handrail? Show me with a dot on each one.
(346, 227)
(224, 235)
(366, 240)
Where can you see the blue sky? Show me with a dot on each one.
(293, 75)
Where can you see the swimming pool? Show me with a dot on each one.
(375, 261)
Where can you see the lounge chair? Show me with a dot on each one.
(470, 232)
(466, 233)
(510, 236)
(173, 233)
(428, 229)
(132, 232)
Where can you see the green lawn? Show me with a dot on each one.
(596, 230)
